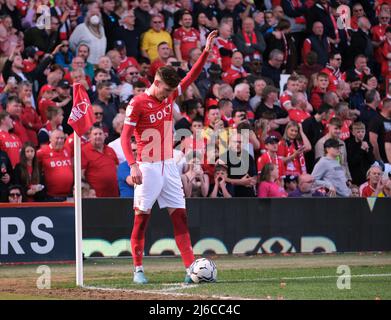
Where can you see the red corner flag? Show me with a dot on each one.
(82, 116)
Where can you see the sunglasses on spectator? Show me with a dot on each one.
(14, 195)
(157, 21)
(98, 113)
(133, 73)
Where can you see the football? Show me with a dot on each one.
(203, 270)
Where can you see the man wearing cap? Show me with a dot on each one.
(270, 156)
(153, 37)
(334, 132)
(32, 55)
(329, 169)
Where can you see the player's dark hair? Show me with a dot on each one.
(169, 76)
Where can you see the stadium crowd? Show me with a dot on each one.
(300, 95)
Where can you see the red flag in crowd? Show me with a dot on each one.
(82, 116)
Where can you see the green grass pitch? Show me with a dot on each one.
(239, 277)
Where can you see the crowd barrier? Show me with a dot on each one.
(220, 226)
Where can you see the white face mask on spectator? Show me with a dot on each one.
(95, 20)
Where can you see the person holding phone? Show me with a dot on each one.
(292, 147)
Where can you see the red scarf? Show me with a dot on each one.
(256, 55)
(297, 166)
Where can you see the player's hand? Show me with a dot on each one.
(137, 176)
(210, 40)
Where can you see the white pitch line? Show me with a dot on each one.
(166, 293)
(179, 286)
(312, 277)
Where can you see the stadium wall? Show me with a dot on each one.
(234, 226)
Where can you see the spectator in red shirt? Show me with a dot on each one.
(270, 156)
(57, 168)
(292, 147)
(374, 185)
(333, 71)
(186, 37)
(300, 108)
(48, 94)
(322, 83)
(30, 118)
(385, 54)
(292, 87)
(9, 142)
(99, 165)
(225, 45)
(379, 33)
(236, 70)
(164, 52)
(14, 108)
(55, 117)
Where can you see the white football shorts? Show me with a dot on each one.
(161, 182)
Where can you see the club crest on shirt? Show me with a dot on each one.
(150, 105)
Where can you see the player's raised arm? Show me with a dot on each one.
(197, 67)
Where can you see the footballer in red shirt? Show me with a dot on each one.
(185, 38)
(150, 117)
(57, 166)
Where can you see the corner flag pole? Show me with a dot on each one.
(78, 212)
(81, 119)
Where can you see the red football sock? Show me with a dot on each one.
(182, 236)
(137, 238)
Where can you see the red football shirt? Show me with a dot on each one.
(43, 106)
(298, 115)
(228, 45)
(101, 170)
(267, 158)
(57, 168)
(188, 40)
(286, 99)
(367, 191)
(152, 119)
(11, 144)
